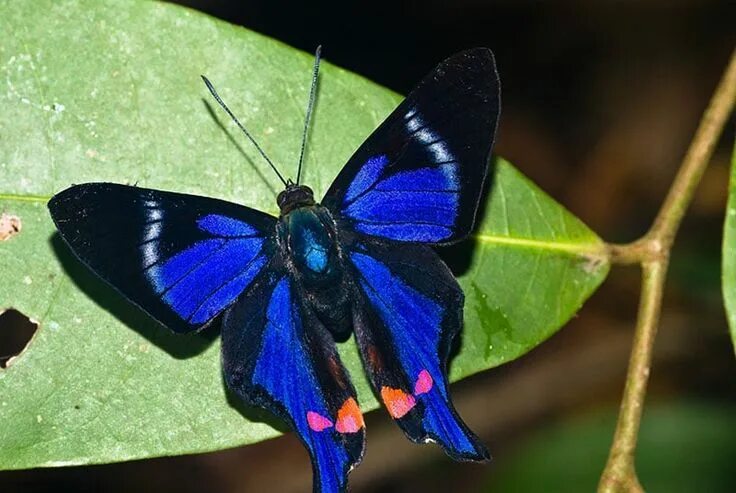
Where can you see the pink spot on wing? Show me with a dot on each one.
(424, 383)
(317, 422)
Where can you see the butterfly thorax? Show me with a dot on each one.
(310, 244)
(308, 241)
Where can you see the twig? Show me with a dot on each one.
(652, 252)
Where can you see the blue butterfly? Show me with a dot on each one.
(290, 287)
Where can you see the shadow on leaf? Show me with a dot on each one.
(254, 414)
(110, 300)
(460, 256)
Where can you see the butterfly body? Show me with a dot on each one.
(309, 243)
(360, 261)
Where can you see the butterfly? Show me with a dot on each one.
(290, 287)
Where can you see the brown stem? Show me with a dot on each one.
(620, 474)
(652, 252)
(636, 252)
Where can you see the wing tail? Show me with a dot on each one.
(277, 356)
(408, 310)
(444, 426)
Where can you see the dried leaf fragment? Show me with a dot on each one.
(10, 226)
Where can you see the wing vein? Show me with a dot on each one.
(201, 261)
(225, 283)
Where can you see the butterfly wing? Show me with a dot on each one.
(181, 258)
(419, 176)
(407, 311)
(278, 356)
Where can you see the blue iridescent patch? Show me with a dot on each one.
(316, 254)
(225, 226)
(366, 177)
(203, 279)
(414, 205)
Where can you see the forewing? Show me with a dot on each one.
(278, 356)
(407, 311)
(181, 258)
(419, 176)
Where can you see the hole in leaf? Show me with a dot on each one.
(16, 331)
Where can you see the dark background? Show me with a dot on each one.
(600, 100)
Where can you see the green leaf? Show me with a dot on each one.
(110, 91)
(728, 271)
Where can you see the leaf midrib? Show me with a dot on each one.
(25, 198)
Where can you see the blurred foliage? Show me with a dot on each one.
(683, 447)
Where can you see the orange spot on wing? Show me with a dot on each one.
(349, 417)
(397, 401)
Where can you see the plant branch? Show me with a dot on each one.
(636, 252)
(652, 252)
(620, 473)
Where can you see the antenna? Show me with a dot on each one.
(247, 134)
(310, 106)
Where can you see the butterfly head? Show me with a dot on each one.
(293, 197)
